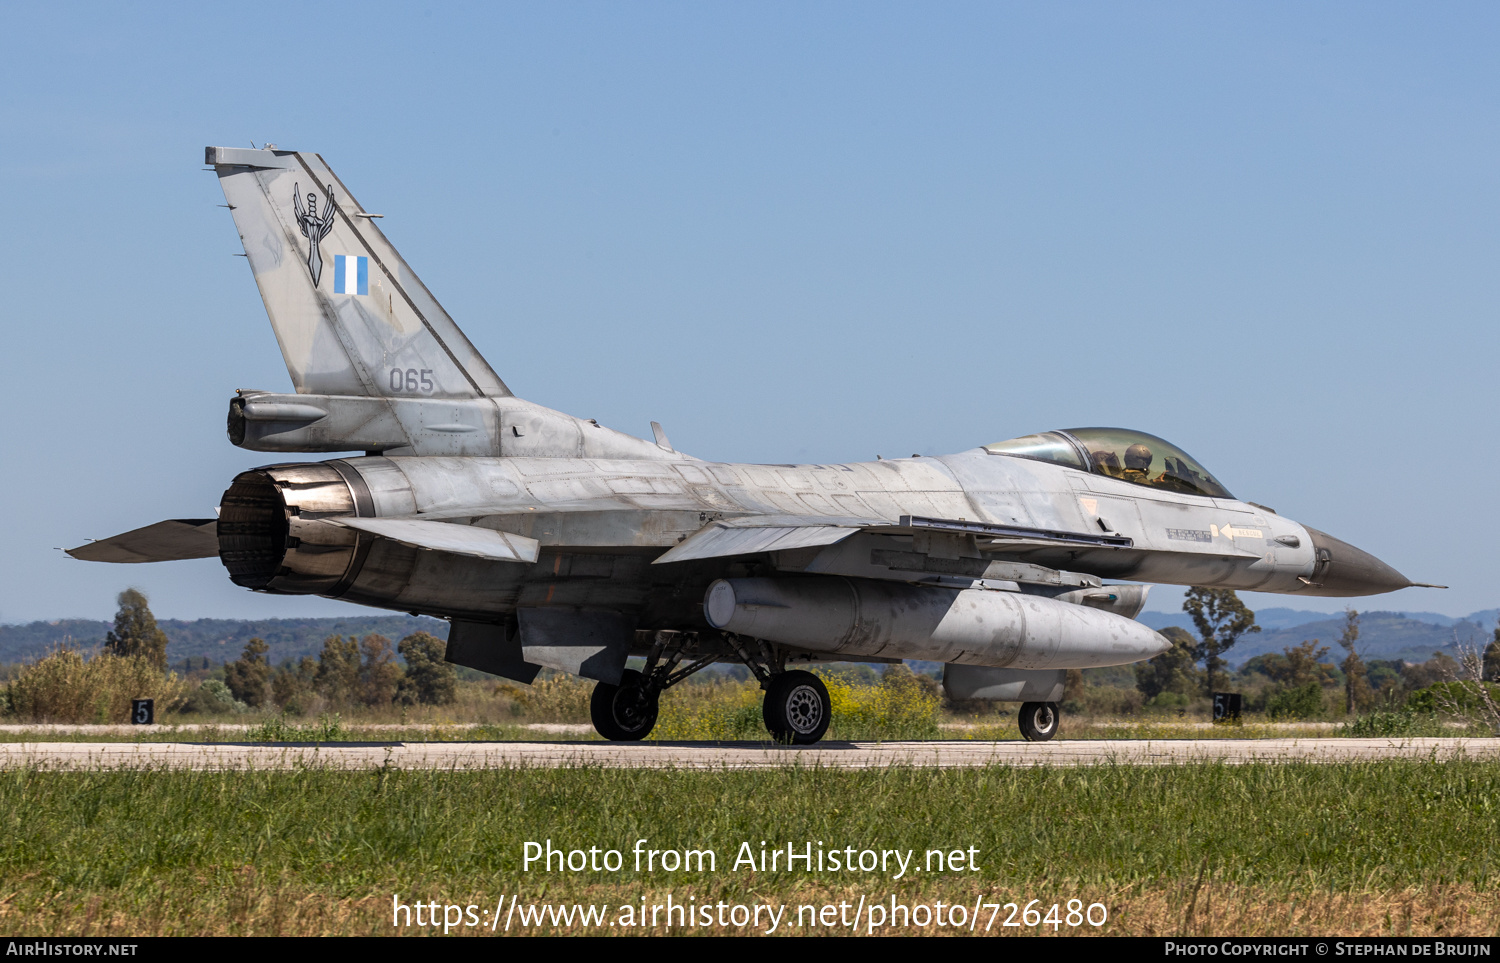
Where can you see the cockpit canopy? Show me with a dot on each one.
(1132, 456)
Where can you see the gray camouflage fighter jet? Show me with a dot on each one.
(552, 541)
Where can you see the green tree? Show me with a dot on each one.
(1297, 665)
(212, 696)
(338, 670)
(898, 677)
(1296, 702)
(1357, 694)
(136, 632)
(1172, 671)
(1490, 670)
(1221, 618)
(1442, 667)
(379, 675)
(429, 678)
(248, 675)
(292, 687)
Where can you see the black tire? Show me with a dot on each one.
(797, 709)
(623, 713)
(1039, 721)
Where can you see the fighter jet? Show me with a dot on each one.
(549, 541)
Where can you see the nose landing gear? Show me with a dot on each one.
(1039, 721)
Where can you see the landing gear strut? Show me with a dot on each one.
(796, 709)
(626, 712)
(1039, 721)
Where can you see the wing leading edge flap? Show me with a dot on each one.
(450, 537)
(170, 541)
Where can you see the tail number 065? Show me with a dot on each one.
(411, 379)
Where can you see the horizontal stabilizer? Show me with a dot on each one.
(170, 541)
(450, 537)
(719, 540)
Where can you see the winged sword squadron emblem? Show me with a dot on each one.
(314, 227)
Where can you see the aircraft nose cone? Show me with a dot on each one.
(1342, 569)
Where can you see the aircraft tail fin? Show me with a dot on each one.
(350, 315)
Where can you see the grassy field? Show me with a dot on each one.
(708, 711)
(1390, 847)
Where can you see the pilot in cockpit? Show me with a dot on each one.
(1138, 465)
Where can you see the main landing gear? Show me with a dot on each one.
(796, 708)
(625, 712)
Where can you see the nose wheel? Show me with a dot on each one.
(1039, 721)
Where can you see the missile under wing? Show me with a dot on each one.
(550, 541)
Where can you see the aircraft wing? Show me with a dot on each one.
(748, 536)
(168, 541)
(450, 537)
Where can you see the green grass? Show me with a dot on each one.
(275, 729)
(1335, 825)
(321, 851)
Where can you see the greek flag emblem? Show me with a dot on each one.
(351, 275)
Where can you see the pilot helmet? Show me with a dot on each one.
(1138, 457)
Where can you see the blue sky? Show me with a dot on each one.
(789, 232)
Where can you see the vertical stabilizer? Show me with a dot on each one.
(350, 315)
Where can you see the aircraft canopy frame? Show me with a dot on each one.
(1123, 453)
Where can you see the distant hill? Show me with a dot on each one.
(1382, 635)
(220, 640)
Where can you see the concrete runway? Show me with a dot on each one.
(729, 755)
